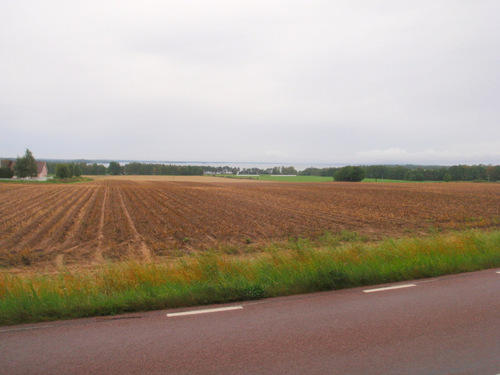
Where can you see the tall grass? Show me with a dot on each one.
(297, 266)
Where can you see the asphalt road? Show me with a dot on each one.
(447, 325)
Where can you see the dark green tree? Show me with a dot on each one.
(350, 173)
(95, 169)
(77, 170)
(114, 168)
(493, 173)
(415, 175)
(63, 171)
(26, 165)
(311, 171)
(289, 170)
(457, 172)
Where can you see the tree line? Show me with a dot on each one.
(270, 171)
(114, 168)
(416, 173)
(435, 173)
(156, 169)
(148, 169)
(68, 170)
(393, 172)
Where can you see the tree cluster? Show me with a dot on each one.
(115, 168)
(323, 172)
(81, 167)
(435, 173)
(93, 169)
(350, 173)
(220, 170)
(274, 171)
(161, 169)
(68, 170)
(419, 173)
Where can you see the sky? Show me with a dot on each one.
(334, 81)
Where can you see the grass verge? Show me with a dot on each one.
(297, 266)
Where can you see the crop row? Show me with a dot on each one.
(113, 219)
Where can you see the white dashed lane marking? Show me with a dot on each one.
(195, 312)
(389, 288)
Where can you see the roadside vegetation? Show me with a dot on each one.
(228, 273)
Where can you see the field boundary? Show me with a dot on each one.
(278, 269)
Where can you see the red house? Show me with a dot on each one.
(43, 171)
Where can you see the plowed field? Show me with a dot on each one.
(113, 219)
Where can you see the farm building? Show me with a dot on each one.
(43, 171)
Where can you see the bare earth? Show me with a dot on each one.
(145, 217)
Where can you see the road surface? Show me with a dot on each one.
(446, 325)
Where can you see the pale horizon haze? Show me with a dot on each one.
(349, 82)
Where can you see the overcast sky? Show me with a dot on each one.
(334, 81)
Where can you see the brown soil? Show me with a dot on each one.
(145, 217)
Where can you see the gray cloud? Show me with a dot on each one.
(318, 81)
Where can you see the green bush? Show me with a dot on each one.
(350, 173)
(6, 173)
(63, 171)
